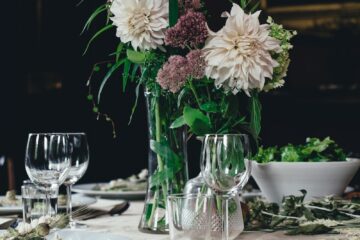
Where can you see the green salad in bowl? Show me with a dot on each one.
(319, 166)
(314, 150)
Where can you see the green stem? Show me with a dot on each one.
(208, 93)
(158, 139)
(154, 206)
(195, 93)
(158, 133)
(160, 164)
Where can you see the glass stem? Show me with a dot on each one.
(225, 218)
(47, 203)
(68, 202)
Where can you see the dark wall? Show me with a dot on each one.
(45, 48)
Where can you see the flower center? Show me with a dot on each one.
(139, 21)
(245, 45)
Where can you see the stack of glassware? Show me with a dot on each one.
(52, 159)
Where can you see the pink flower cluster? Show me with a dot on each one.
(196, 63)
(190, 31)
(173, 75)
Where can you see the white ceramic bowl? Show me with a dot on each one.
(319, 179)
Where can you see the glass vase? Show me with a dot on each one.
(168, 169)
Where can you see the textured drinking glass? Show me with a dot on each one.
(189, 216)
(34, 201)
(79, 158)
(47, 162)
(225, 169)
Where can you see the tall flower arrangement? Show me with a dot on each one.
(216, 77)
(200, 80)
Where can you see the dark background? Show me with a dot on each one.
(42, 47)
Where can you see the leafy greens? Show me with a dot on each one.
(314, 150)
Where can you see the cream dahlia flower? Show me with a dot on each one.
(141, 22)
(239, 55)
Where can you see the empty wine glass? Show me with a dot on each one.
(47, 162)
(79, 158)
(225, 169)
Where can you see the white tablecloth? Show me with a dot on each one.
(126, 225)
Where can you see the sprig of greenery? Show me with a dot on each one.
(314, 150)
(298, 217)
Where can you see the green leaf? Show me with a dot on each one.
(243, 4)
(97, 11)
(137, 91)
(210, 107)
(107, 76)
(102, 30)
(173, 12)
(159, 177)
(172, 163)
(136, 57)
(230, 106)
(119, 50)
(95, 109)
(172, 160)
(127, 66)
(255, 113)
(179, 122)
(134, 72)
(255, 7)
(148, 211)
(198, 122)
(181, 96)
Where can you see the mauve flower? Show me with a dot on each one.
(190, 31)
(141, 22)
(172, 76)
(197, 64)
(239, 55)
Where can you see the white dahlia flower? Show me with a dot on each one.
(141, 22)
(239, 55)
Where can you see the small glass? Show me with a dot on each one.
(189, 216)
(34, 201)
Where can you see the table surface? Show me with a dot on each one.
(126, 225)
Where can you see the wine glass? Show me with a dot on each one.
(225, 167)
(47, 162)
(79, 162)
